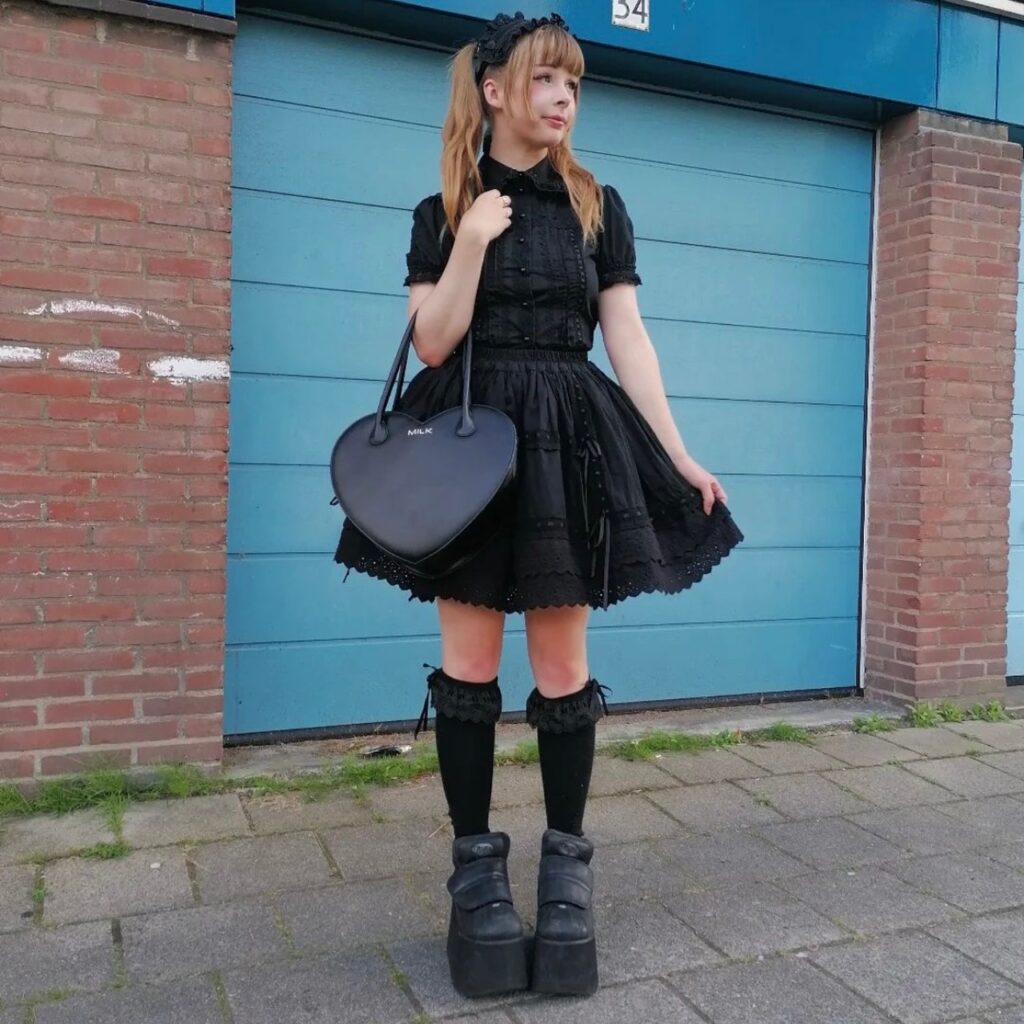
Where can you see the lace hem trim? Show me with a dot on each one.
(570, 713)
(632, 574)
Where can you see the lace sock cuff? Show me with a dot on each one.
(469, 702)
(569, 713)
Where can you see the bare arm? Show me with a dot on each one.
(636, 366)
(635, 363)
(444, 313)
(444, 309)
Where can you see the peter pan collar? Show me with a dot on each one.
(542, 174)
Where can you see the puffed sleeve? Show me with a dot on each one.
(425, 260)
(616, 253)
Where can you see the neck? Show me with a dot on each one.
(520, 156)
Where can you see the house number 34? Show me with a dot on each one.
(631, 14)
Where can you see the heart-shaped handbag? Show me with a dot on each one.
(429, 494)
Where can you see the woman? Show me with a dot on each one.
(527, 249)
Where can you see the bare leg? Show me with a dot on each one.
(556, 640)
(471, 638)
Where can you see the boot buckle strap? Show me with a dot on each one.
(479, 882)
(564, 880)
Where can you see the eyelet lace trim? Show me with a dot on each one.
(668, 562)
(570, 713)
(421, 273)
(617, 275)
(468, 702)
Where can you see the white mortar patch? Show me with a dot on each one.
(63, 307)
(19, 355)
(184, 369)
(94, 360)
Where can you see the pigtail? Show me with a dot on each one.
(465, 124)
(461, 137)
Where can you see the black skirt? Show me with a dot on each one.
(601, 512)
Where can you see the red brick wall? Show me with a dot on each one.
(114, 259)
(939, 445)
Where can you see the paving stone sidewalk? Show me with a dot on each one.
(855, 880)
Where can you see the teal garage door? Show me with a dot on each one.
(753, 236)
(1015, 597)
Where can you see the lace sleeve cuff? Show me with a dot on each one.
(418, 274)
(618, 275)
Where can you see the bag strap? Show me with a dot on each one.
(379, 433)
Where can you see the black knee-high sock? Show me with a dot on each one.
(566, 763)
(465, 754)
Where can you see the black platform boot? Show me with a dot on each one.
(565, 947)
(486, 939)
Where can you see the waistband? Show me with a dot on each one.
(496, 353)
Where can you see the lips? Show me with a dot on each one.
(556, 121)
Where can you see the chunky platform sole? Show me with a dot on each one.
(485, 968)
(565, 968)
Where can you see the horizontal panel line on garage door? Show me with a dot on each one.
(316, 108)
(303, 243)
(330, 289)
(672, 394)
(640, 237)
(739, 474)
(286, 121)
(255, 556)
(724, 173)
(646, 317)
(510, 631)
(277, 193)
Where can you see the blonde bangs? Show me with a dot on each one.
(547, 45)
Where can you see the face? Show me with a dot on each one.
(553, 96)
(553, 93)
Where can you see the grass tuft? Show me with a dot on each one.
(112, 790)
(923, 715)
(106, 851)
(873, 723)
(643, 748)
(993, 711)
(779, 731)
(525, 752)
(927, 714)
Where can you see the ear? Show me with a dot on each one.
(493, 93)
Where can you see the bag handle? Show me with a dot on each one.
(379, 434)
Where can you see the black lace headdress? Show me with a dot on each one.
(500, 35)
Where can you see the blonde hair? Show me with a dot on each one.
(463, 129)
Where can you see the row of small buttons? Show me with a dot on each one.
(523, 270)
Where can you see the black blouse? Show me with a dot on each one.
(539, 282)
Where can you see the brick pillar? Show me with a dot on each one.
(114, 316)
(939, 446)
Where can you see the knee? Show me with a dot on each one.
(557, 674)
(473, 667)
